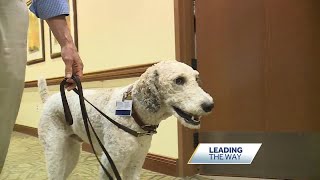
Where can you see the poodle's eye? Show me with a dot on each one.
(180, 80)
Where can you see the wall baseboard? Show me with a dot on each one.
(26, 130)
(161, 164)
(117, 73)
(153, 162)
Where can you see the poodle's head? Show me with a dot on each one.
(174, 86)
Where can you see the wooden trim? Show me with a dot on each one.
(185, 51)
(35, 61)
(86, 147)
(118, 73)
(26, 130)
(161, 164)
(153, 162)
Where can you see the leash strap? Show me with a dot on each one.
(86, 122)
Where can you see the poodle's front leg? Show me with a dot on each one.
(134, 168)
(120, 164)
(120, 148)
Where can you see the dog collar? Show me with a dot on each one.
(150, 129)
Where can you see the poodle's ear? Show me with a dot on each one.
(147, 92)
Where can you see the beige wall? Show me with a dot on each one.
(113, 34)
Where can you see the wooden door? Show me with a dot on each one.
(230, 44)
(260, 60)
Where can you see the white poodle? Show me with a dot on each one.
(167, 88)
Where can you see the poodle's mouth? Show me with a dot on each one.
(189, 118)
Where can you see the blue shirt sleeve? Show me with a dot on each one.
(45, 9)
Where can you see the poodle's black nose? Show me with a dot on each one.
(207, 107)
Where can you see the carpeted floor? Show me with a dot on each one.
(25, 161)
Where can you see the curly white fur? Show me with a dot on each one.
(154, 96)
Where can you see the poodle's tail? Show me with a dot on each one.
(43, 89)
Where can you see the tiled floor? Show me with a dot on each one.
(25, 161)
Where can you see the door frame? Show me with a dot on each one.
(185, 51)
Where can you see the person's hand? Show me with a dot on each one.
(69, 52)
(73, 63)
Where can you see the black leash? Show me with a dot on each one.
(86, 122)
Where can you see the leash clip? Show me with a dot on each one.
(127, 96)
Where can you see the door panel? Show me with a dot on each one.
(230, 46)
(260, 60)
(291, 77)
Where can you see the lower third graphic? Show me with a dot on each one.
(225, 153)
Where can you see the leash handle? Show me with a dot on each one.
(86, 122)
(66, 109)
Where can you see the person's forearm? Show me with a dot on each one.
(59, 28)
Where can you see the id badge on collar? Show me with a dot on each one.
(124, 108)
